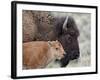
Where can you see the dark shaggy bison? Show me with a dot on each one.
(44, 26)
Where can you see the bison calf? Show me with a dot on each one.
(37, 54)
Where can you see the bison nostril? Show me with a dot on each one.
(74, 54)
(77, 54)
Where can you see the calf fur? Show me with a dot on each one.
(38, 54)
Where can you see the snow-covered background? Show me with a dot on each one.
(83, 21)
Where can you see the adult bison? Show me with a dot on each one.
(44, 26)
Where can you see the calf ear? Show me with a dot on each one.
(57, 41)
(50, 43)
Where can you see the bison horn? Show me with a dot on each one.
(65, 23)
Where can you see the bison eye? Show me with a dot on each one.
(69, 39)
(72, 33)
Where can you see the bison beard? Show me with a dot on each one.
(57, 28)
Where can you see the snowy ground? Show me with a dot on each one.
(83, 21)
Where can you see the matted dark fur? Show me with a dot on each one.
(45, 26)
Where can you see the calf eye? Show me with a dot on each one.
(56, 48)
